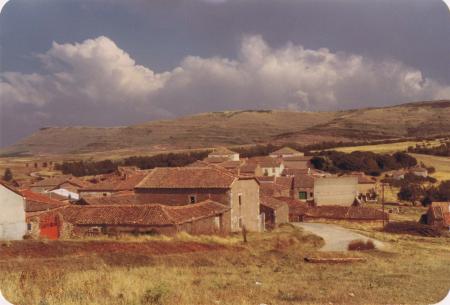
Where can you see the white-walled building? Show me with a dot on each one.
(335, 190)
(13, 224)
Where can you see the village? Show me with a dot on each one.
(219, 195)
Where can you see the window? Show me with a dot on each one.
(192, 199)
(29, 226)
(302, 195)
(104, 194)
(240, 199)
(311, 194)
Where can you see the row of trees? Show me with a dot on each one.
(415, 192)
(88, 168)
(368, 162)
(441, 150)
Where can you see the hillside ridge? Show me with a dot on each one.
(242, 127)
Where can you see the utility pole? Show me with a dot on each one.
(382, 199)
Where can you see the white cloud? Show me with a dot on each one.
(96, 82)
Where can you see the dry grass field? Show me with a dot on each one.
(270, 269)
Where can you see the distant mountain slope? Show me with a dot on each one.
(244, 127)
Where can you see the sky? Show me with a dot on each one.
(111, 62)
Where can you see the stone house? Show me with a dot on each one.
(189, 185)
(335, 190)
(303, 188)
(37, 204)
(269, 166)
(206, 217)
(275, 211)
(12, 217)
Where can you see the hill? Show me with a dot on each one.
(243, 127)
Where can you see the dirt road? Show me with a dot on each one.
(336, 238)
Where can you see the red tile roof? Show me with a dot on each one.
(58, 180)
(341, 212)
(303, 181)
(116, 183)
(295, 206)
(188, 177)
(144, 215)
(36, 202)
(447, 219)
(285, 181)
(272, 189)
(266, 161)
(272, 202)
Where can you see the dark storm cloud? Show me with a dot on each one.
(186, 56)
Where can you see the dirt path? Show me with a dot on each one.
(336, 238)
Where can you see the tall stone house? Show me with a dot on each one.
(190, 185)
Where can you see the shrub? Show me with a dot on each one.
(8, 175)
(155, 296)
(360, 245)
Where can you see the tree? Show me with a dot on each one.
(8, 176)
(409, 192)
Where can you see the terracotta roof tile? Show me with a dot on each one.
(58, 180)
(148, 214)
(188, 177)
(36, 202)
(266, 161)
(117, 183)
(272, 202)
(303, 181)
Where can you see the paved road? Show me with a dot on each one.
(336, 238)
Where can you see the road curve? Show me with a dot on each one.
(336, 238)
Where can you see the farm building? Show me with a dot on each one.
(335, 190)
(189, 185)
(286, 152)
(36, 204)
(438, 215)
(12, 217)
(275, 211)
(269, 166)
(303, 187)
(296, 208)
(206, 217)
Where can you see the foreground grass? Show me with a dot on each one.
(269, 269)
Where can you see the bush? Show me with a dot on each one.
(360, 245)
(155, 296)
(8, 175)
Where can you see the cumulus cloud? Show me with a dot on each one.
(96, 82)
